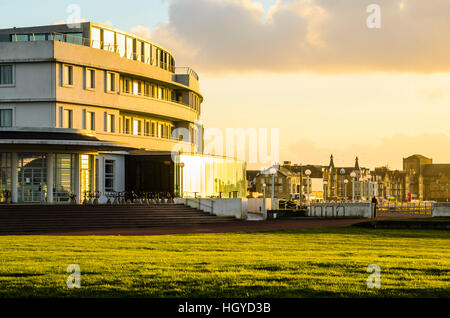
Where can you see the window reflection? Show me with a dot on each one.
(207, 176)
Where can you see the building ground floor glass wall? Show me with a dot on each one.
(209, 177)
(46, 177)
(65, 177)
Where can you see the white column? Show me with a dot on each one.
(14, 177)
(76, 189)
(50, 175)
(101, 178)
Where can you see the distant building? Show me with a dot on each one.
(339, 184)
(420, 179)
(286, 183)
(315, 180)
(391, 184)
(251, 182)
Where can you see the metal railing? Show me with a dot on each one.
(188, 71)
(415, 208)
(79, 40)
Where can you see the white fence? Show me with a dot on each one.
(334, 210)
(441, 210)
(220, 207)
(256, 205)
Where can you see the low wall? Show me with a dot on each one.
(332, 210)
(256, 205)
(219, 207)
(441, 209)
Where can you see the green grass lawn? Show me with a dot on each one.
(300, 263)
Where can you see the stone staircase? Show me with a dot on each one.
(34, 219)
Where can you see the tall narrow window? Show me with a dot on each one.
(68, 75)
(109, 43)
(90, 120)
(90, 79)
(109, 175)
(147, 128)
(110, 121)
(6, 74)
(130, 53)
(5, 117)
(67, 118)
(110, 82)
(96, 41)
(137, 127)
(127, 125)
(121, 48)
(136, 88)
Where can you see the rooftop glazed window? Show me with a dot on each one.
(96, 40)
(121, 47)
(129, 48)
(108, 41)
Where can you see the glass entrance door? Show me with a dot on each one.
(32, 185)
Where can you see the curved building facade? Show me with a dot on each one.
(91, 108)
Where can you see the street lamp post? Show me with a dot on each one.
(308, 174)
(345, 189)
(353, 175)
(273, 172)
(361, 180)
(181, 179)
(325, 188)
(264, 202)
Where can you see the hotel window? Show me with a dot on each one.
(110, 82)
(137, 127)
(160, 130)
(90, 120)
(6, 117)
(67, 118)
(121, 49)
(147, 53)
(161, 93)
(96, 41)
(137, 90)
(139, 53)
(110, 123)
(161, 59)
(126, 84)
(20, 38)
(68, 75)
(108, 41)
(129, 48)
(64, 177)
(147, 89)
(109, 175)
(147, 128)
(90, 79)
(121, 124)
(127, 125)
(6, 74)
(153, 129)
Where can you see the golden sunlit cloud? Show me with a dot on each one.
(218, 36)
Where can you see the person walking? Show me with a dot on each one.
(374, 204)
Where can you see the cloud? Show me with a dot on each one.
(320, 36)
(433, 94)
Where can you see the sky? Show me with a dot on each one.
(311, 68)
